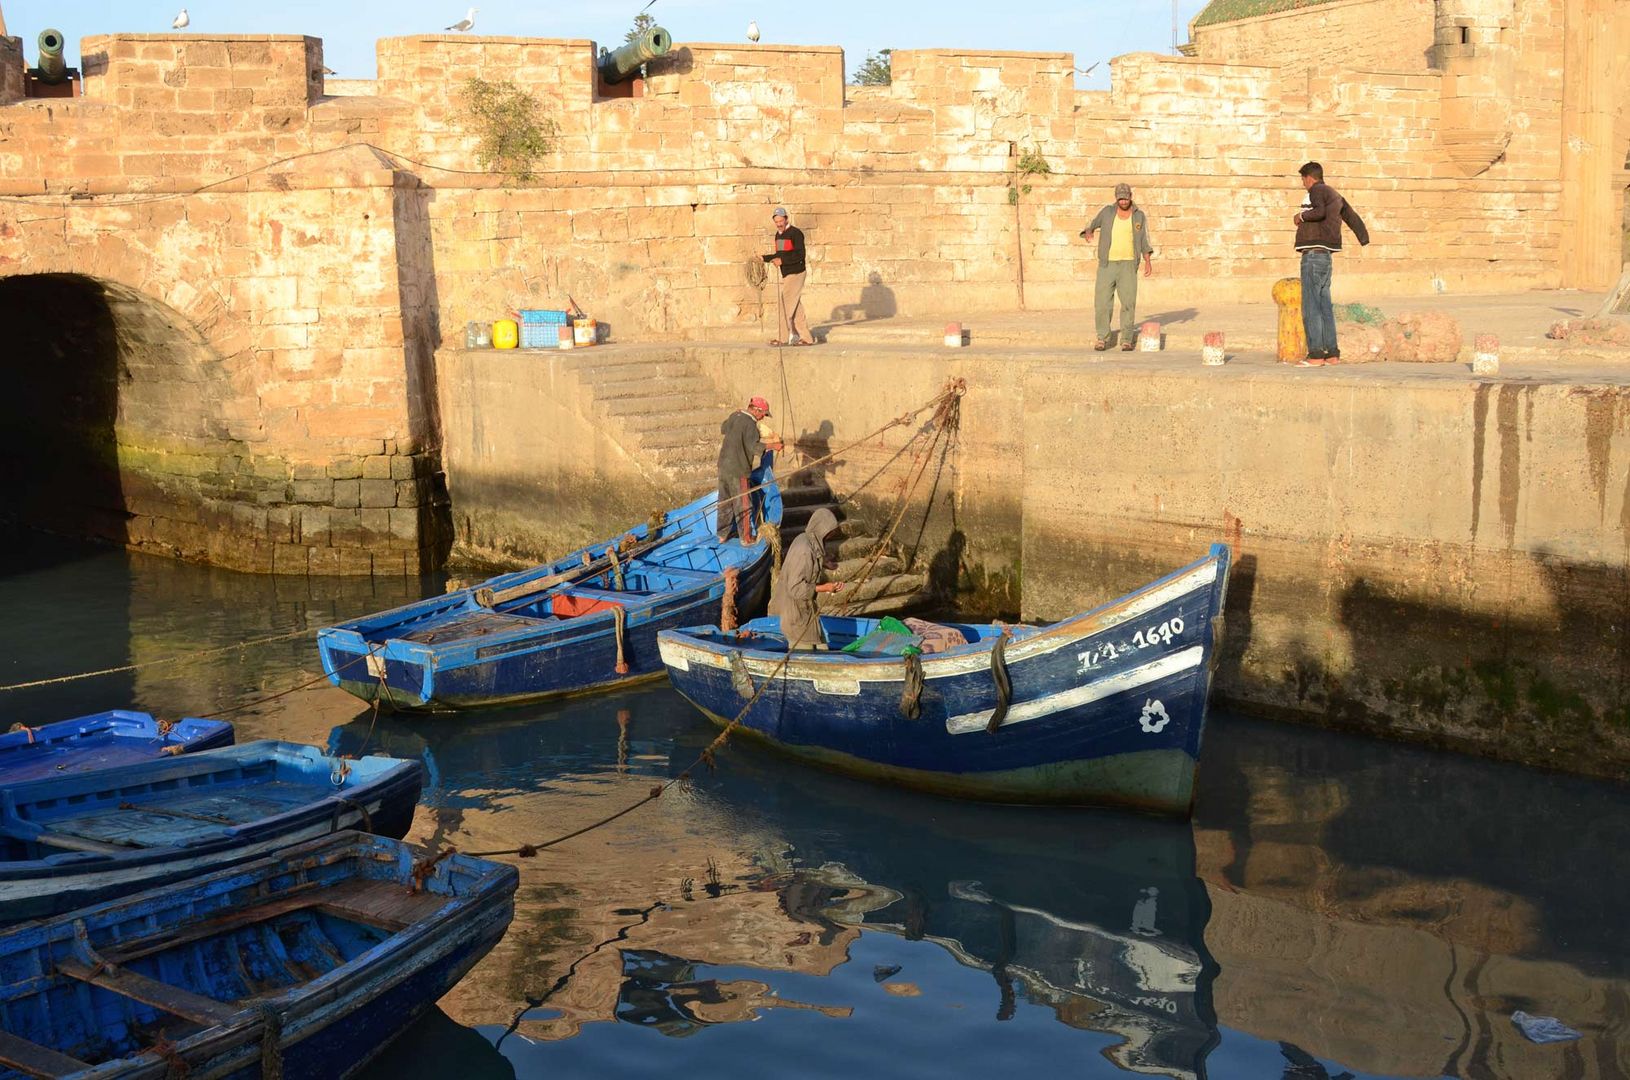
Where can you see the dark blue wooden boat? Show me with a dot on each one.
(556, 629)
(75, 840)
(1105, 707)
(104, 741)
(303, 964)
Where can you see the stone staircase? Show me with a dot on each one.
(666, 413)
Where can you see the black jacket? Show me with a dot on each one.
(739, 445)
(1323, 211)
(789, 246)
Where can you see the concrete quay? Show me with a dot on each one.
(1419, 552)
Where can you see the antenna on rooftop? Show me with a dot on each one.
(1175, 49)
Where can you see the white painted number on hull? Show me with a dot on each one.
(1155, 717)
(1141, 639)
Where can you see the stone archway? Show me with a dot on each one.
(115, 414)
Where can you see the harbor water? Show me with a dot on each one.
(1337, 907)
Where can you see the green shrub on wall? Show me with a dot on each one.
(510, 123)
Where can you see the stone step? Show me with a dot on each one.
(849, 569)
(856, 547)
(701, 445)
(803, 495)
(884, 605)
(643, 369)
(644, 386)
(656, 404)
(887, 586)
(686, 459)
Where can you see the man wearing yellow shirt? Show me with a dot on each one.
(1123, 239)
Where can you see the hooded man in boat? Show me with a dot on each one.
(800, 580)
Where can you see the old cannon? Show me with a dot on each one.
(626, 61)
(53, 67)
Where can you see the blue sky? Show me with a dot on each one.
(1093, 30)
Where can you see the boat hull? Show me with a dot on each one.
(104, 740)
(365, 957)
(471, 649)
(84, 840)
(1107, 707)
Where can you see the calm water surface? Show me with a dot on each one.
(1337, 908)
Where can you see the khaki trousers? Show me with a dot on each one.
(1118, 277)
(792, 309)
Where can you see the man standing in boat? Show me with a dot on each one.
(794, 599)
(738, 452)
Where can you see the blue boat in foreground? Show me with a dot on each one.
(1104, 707)
(105, 740)
(75, 840)
(304, 964)
(584, 622)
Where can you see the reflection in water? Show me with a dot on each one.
(1339, 907)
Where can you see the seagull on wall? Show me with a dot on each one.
(752, 29)
(466, 23)
(181, 21)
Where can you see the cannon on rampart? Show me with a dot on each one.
(53, 67)
(622, 63)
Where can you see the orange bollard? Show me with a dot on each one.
(1287, 293)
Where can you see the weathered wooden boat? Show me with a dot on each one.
(104, 740)
(1105, 707)
(302, 964)
(75, 840)
(587, 621)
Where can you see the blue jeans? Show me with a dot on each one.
(1318, 318)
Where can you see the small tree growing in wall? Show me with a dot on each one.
(875, 70)
(510, 124)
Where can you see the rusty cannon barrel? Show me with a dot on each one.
(626, 61)
(53, 67)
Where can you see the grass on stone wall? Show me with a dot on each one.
(1221, 11)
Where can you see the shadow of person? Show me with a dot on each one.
(876, 302)
(945, 568)
(813, 446)
(1182, 315)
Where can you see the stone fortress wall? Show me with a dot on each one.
(341, 237)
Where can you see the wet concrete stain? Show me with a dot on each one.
(1480, 412)
(1511, 453)
(1601, 408)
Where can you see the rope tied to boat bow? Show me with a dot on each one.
(1004, 685)
(616, 566)
(22, 727)
(619, 625)
(727, 606)
(911, 696)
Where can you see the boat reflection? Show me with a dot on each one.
(1096, 915)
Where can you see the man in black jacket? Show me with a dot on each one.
(789, 256)
(1318, 237)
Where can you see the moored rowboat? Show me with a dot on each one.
(1104, 707)
(73, 840)
(305, 963)
(102, 741)
(584, 622)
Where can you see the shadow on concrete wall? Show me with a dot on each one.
(420, 303)
(876, 301)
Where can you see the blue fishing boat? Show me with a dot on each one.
(1104, 707)
(303, 964)
(587, 621)
(73, 840)
(104, 741)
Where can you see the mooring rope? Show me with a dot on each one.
(727, 604)
(178, 658)
(619, 624)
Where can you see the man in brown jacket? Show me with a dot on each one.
(1318, 237)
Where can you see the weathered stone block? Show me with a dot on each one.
(376, 493)
(376, 468)
(316, 492)
(348, 494)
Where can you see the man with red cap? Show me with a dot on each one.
(740, 447)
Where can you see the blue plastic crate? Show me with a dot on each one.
(535, 335)
(531, 316)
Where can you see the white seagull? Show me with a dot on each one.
(466, 23)
(181, 21)
(752, 29)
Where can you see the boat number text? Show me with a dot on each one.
(1141, 639)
